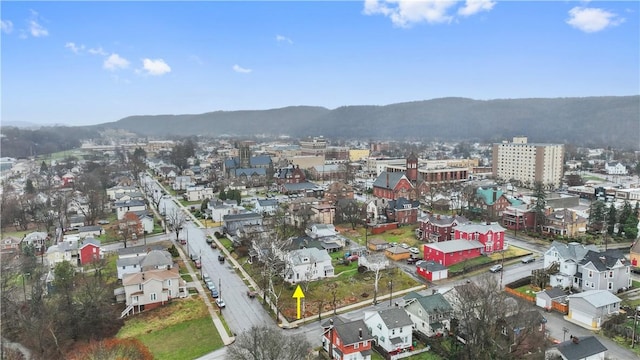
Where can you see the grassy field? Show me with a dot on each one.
(511, 252)
(471, 262)
(180, 330)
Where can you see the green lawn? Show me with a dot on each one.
(475, 261)
(182, 329)
(511, 252)
(526, 290)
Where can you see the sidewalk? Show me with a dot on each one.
(226, 339)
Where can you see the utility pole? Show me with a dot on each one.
(635, 321)
(502, 269)
(390, 291)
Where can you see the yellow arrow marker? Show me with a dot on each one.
(298, 294)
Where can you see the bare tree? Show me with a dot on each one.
(175, 220)
(493, 324)
(268, 343)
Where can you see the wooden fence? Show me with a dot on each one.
(526, 297)
(560, 307)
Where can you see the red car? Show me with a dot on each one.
(198, 264)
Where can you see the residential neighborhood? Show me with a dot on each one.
(395, 260)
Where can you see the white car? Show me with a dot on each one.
(495, 268)
(404, 246)
(414, 250)
(220, 303)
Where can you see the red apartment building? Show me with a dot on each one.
(436, 228)
(346, 340)
(490, 235)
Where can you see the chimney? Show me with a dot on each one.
(360, 333)
(603, 259)
(387, 180)
(575, 339)
(495, 194)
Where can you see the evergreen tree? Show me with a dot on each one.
(29, 188)
(612, 219)
(222, 195)
(624, 216)
(540, 204)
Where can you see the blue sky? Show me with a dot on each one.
(80, 63)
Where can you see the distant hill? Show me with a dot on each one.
(589, 121)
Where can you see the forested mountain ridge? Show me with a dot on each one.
(589, 121)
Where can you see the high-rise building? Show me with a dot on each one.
(528, 163)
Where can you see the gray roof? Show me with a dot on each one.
(583, 348)
(395, 317)
(456, 245)
(572, 250)
(129, 261)
(391, 178)
(90, 240)
(268, 202)
(440, 220)
(597, 298)
(296, 256)
(555, 293)
(431, 266)
(129, 203)
(90, 228)
(139, 249)
(156, 258)
(251, 172)
(243, 216)
(300, 186)
(603, 260)
(349, 332)
(480, 228)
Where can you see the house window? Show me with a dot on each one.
(610, 285)
(393, 331)
(419, 312)
(380, 326)
(337, 341)
(356, 345)
(610, 274)
(153, 297)
(590, 273)
(169, 282)
(139, 286)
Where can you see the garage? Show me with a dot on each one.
(581, 317)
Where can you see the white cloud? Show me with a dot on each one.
(115, 62)
(592, 19)
(97, 51)
(35, 29)
(238, 68)
(6, 26)
(280, 38)
(472, 7)
(73, 47)
(155, 67)
(405, 13)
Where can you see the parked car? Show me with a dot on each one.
(220, 303)
(404, 246)
(528, 259)
(412, 260)
(209, 240)
(205, 277)
(214, 292)
(221, 258)
(414, 250)
(495, 268)
(198, 264)
(210, 285)
(183, 242)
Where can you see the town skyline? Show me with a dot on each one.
(87, 63)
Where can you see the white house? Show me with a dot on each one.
(150, 289)
(182, 183)
(321, 230)
(62, 251)
(307, 265)
(124, 207)
(431, 314)
(153, 260)
(392, 327)
(197, 193)
(567, 258)
(268, 206)
(112, 192)
(615, 169)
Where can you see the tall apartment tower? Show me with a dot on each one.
(528, 162)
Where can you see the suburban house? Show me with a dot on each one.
(592, 308)
(91, 230)
(321, 230)
(403, 211)
(182, 183)
(435, 228)
(346, 340)
(217, 208)
(584, 348)
(430, 314)
(392, 185)
(518, 217)
(150, 289)
(432, 271)
(123, 207)
(114, 191)
(490, 235)
(146, 220)
(565, 222)
(307, 265)
(62, 251)
(377, 244)
(76, 221)
(375, 209)
(391, 327)
(491, 201)
(37, 239)
(153, 260)
(90, 251)
(606, 270)
(197, 193)
(290, 175)
(266, 206)
(338, 190)
(231, 222)
(615, 169)
(451, 252)
(10, 244)
(587, 268)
